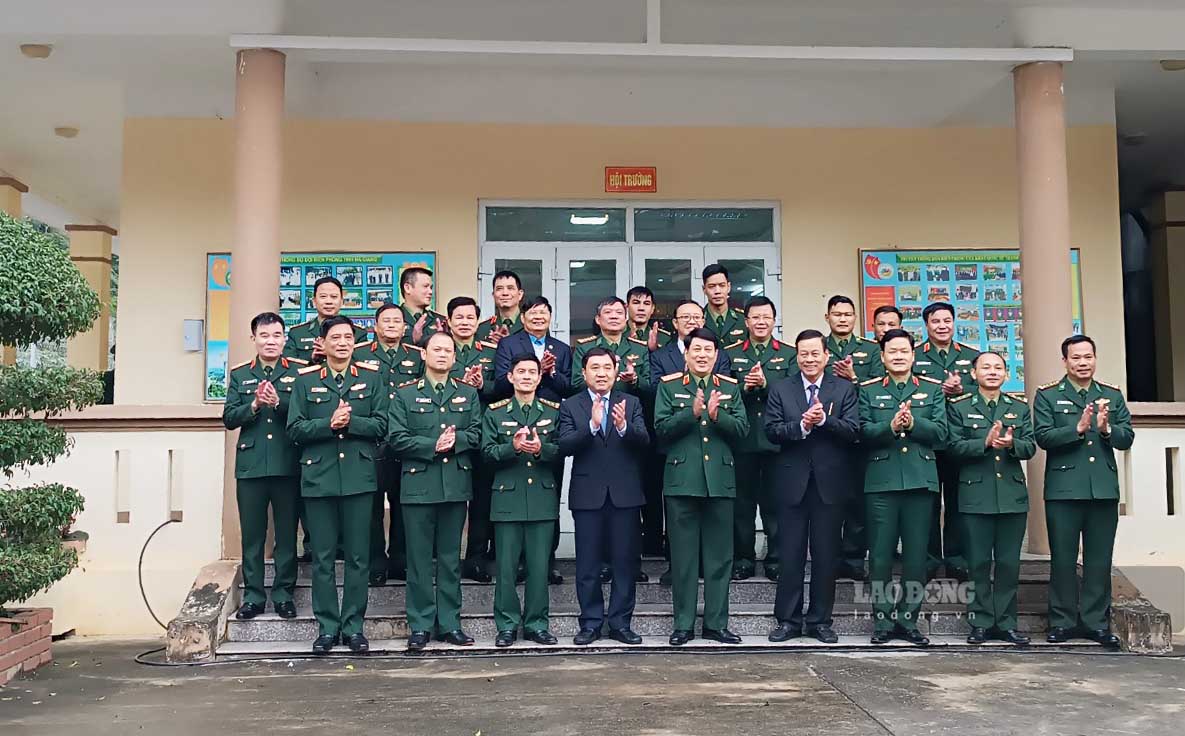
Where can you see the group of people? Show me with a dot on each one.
(680, 434)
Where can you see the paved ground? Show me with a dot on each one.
(95, 688)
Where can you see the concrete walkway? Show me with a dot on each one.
(94, 688)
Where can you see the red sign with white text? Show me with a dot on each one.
(631, 179)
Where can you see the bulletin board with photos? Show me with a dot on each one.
(983, 285)
(368, 280)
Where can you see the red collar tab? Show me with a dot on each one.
(353, 370)
(324, 372)
(885, 382)
(715, 380)
(283, 362)
(926, 347)
(916, 382)
(745, 346)
(253, 361)
(686, 378)
(775, 344)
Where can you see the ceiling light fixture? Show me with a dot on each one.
(36, 50)
(588, 220)
(66, 131)
(1173, 65)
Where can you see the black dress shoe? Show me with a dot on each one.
(665, 578)
(1012, 636)
(882, 636)
(358, 644)
(378, 578)
(585, 637)
(1104, 637)
(306, 556)
(958, 573)
(977, 635)
(475, 572)
(504, 639)
(823, 633)
(625, 636)
(851, 572)
(324, 643)
(772, 572)
(742, 571)
(606, 574)
(642, 577)
(1059, 635)
(554, 577)
(913, 636)
(397, 573)
(784, 632)
(679, 637)
(456, 637)
(724, 636)
(249, 610)
(287, 609)
(417, 641)
(544, 637)
(520, 575)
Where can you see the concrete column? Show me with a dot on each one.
(90, 251)
(10, 203)
(1044, 246)
(255, 251)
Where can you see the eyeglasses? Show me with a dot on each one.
(690, 317)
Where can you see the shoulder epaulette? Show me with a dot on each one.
(298, 361)
(309, 369)
(871, 381)
(407, 383)
(722, 377)
(586, 340)
(240, 365)
(861, 338)
(671, 377)
(305, 324)
(366, 344)
(549, 402)
(1051, 384)
(1018, 396)
(368, 365)
(636, 341)
(499, 404)
(409, 346)
(485, 345)
(957, 399)
(664, 331)
(927, 379)
(735, 344)
(966, 346)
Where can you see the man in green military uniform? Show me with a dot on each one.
(435, 430)
(699, 418)
(398, 363)
(854, 358)
(474, 367)
(1080, 423)
(949, 362)
(639, 301)
(902, 425)
(304, 340)
(337, 417)
(520, 447)
(727, 323)
(507, 318)
(990, 435)
(415, 292)
(757, 363)
(633, 354)
(266, 469)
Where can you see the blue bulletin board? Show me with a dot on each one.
(983, 285)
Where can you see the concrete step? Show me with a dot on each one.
(651, 644)
(649, 620)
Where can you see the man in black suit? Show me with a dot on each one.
(813, 417)
(535, 338)
(555, 361)
(669, 359)
(605, 433)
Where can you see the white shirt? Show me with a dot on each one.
(593, 426)
(806, 390)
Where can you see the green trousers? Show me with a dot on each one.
(700, 527)
(946, 521)
(1093, 523)
(853, 536)
(988, 538)
(755, 490)
(434, 550)
(344, 518)
(255, 495)
(387, 547)
(531, 540)
(898, 516)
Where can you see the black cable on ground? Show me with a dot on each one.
(140, 577)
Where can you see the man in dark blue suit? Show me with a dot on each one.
(605, 434)
(813, 417)
(555, 360)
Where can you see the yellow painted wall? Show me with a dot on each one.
(352, 185)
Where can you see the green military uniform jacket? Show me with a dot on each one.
(628, 350)
(524, 486)
(479, 353)
(338, 462)
(991, 481)
(489, 325)
(643, 335)
(777, 361)
(699, 452)
(900, 461)
(1080, 467)
(263, 449)
(410, 319)
(866, 355)
(397, 366)
(733, 328)
(300, 339)
(959, 358)
(418, 416)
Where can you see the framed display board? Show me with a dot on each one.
(368, 280)
(983, 285)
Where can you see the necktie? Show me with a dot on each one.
(843, 345)
(604, 415)
(991, 405)
(1082, 393)
(759, 349)
(340, 380)
(942, 355)
(267, 371)
(720, 322)
(438, 389)
(812, 392)
(526, 412)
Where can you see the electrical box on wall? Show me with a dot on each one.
(191, 336)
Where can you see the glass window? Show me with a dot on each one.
(670, 280)
(704, 225)
(555, 224)
(747, 276)
(529, 270)
(588, 283)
